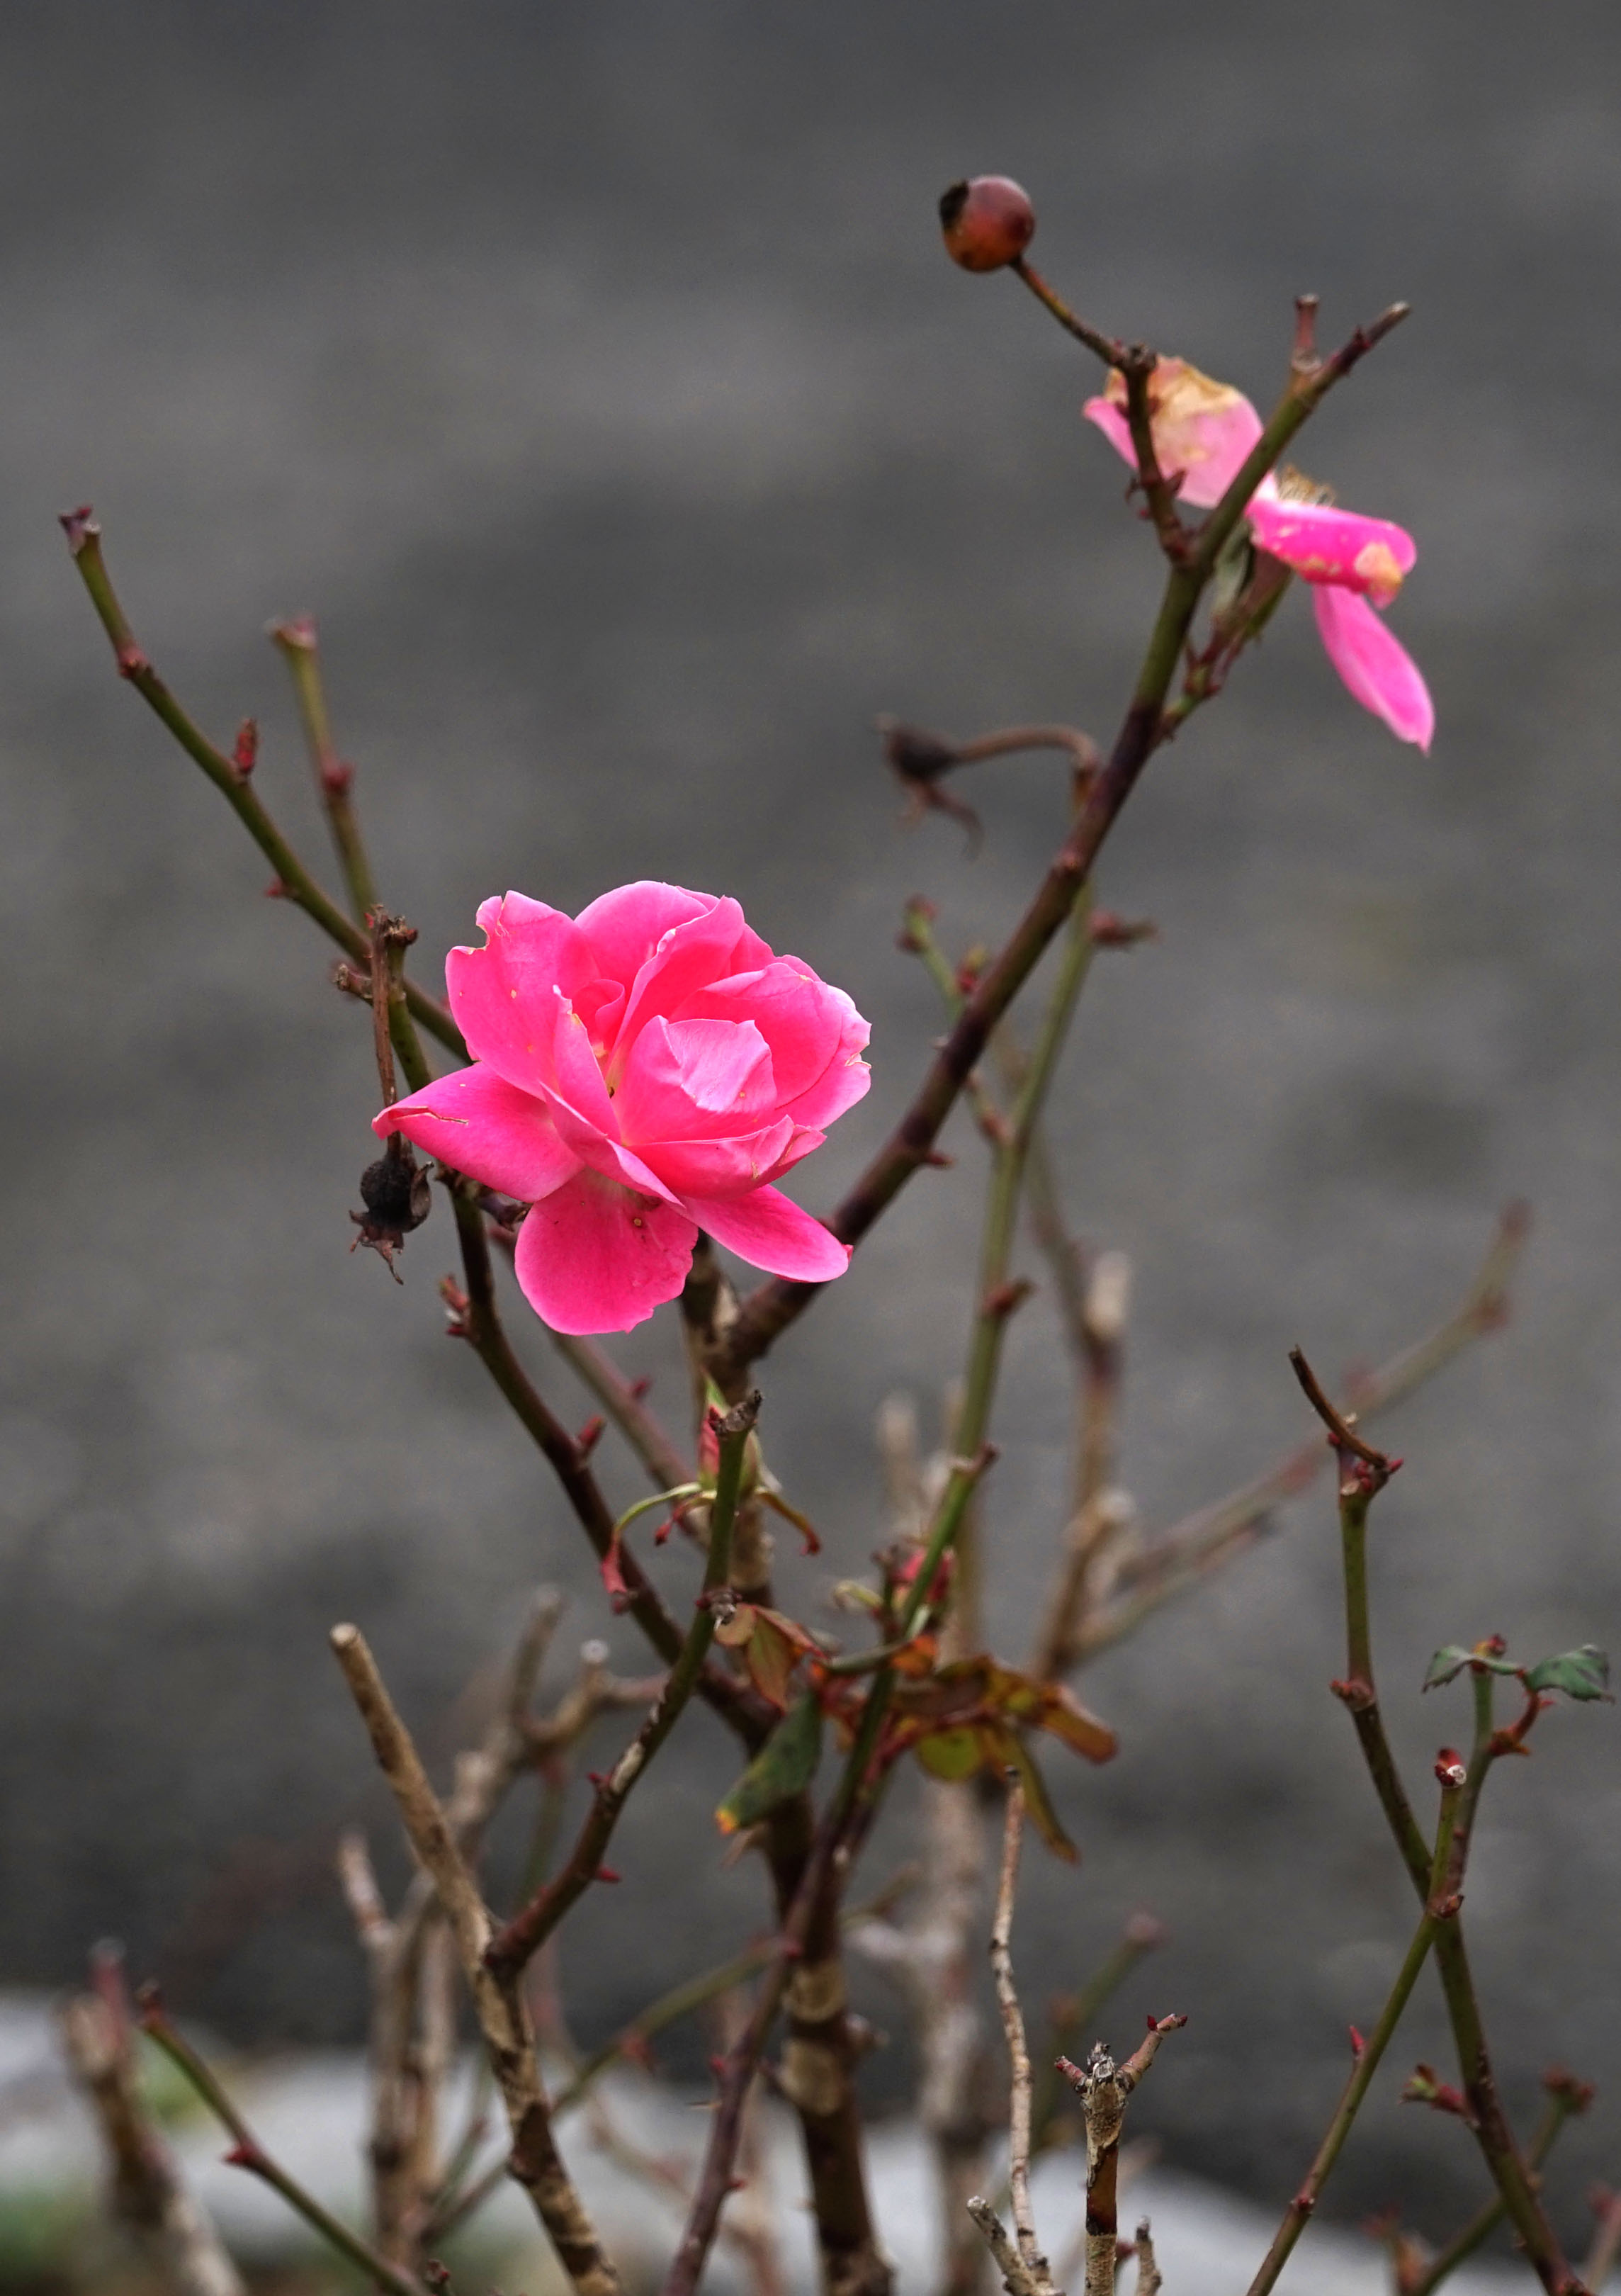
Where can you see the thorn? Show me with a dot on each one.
(938, 1160)
(245, 755)
(131, 661)
(639, 1388)
(589, 1437)
(1357, 2043)
(606, 1873)
(275, 891)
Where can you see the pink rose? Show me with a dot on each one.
(640, 1071)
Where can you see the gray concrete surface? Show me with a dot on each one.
(596, 377)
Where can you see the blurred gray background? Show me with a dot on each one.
(596, 378)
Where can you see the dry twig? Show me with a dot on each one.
(148, 2194)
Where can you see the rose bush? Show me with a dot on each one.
(640, 1071)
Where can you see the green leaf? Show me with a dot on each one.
(951, 1753)
(1448, 1664)
(1582, 1673)
(785, 1764)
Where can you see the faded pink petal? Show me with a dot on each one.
(1323, 543)
(479, 1124)
(1375, 665)
(769, 1231)
(1203, 430)
(596, 1256)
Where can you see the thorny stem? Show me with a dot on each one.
(292, 878)
(1485, 2220)
(510, 1950)
(299, 648)
(249, 2153)
(624, 1406)
(769, 1310)
(1213, 1535)
(741, 2061)
(1300, 2209)
(1361, 1477)
(480, 1323)
(631, 2039)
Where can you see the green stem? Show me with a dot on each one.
(292, 878)
(296, 644)
(1485, 2220)
(1300, 2208)
(250, 2154)
(1492, 2130)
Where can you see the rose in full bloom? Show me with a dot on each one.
(1203, 431)
(640, 1071)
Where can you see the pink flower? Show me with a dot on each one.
(1203, 432)
(640, 1071)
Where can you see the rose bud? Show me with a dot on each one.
(988, 223)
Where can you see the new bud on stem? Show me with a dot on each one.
(988, 222)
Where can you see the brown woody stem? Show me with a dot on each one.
(481, 1321)
(535, 2162)
(511, 1949)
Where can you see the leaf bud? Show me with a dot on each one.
(988, 223)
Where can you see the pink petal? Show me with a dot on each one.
(805, 1023)
(847, 1076)
(726, 1168)
(623, 928)
(695, 1078)
(687, 958)
(502, 995)
(603, 1154)
(594, 1256)
(1325, 543)
(1376, 667)
(769, 1231)
(480, 1125)
(1203, 430)
(575, 1075)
